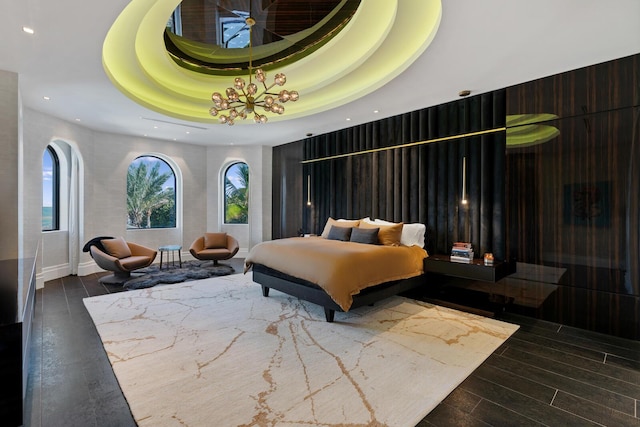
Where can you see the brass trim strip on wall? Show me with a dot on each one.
(410, 144)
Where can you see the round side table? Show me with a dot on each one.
(171, 253)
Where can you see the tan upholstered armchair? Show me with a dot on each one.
(214, 246)
(121, 257)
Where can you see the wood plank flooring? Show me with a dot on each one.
(545, 375)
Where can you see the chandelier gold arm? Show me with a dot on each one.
(237, 107)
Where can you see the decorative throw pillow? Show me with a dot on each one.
(339, 233)
(388, 235)
(365, 235)
(412, 234)
(340, 223)
(215, 240)
(116, 247)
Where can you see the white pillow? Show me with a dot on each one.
(383, 222)
(412, 234)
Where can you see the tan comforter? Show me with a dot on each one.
(342, 269)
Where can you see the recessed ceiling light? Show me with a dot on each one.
(375, 111)
(28, 30)
(46, 98)
(348, 119)
(78, 120)
(155, 127)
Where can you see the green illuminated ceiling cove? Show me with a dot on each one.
(382, 39)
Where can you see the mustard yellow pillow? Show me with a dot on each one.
(388, 235)
(338, 223)
(116, 247)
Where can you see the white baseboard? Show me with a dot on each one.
(51, 273)
(39, 281)
(64, 270)
(87, 268)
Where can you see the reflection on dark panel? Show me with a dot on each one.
(573, 190)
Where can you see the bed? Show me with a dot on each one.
(341, 273)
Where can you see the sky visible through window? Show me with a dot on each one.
(164, 168)
(47, 180)
(233, 175)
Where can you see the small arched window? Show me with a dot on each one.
(236, 194)
(50, 190)
(151, 194)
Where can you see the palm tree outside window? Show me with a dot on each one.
(151, 194)
(236, 194)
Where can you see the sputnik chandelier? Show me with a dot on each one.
(242, 99)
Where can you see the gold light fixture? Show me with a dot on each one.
(464, 181)
(242, 100)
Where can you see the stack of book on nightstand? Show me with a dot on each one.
(462, 252)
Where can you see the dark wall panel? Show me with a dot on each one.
(567, 204)
(287, 190)
(572, 199)
(418, 183)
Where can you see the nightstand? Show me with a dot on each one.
(475, 270)
(455, 284)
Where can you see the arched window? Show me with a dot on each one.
(236, 194)
(151, 194)
(50, 190)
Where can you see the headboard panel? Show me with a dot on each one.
(410, 168)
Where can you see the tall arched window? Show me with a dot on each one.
(50, 190)
(236, 194)
(151, 194)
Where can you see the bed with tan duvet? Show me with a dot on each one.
(353, 263)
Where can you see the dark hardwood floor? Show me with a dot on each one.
(545, 374)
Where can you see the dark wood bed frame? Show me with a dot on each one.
(269, 278)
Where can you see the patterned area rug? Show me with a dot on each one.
(191, 270)
(216, 352)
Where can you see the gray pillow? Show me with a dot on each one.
(339, 233)
(365, 235)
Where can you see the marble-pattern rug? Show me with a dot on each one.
(216, 352)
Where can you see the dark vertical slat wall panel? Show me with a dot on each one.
(415, 183)
(289, 190)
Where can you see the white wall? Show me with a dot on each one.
(260, 174)
(106, 158)
(9, 159)
(39, 130)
